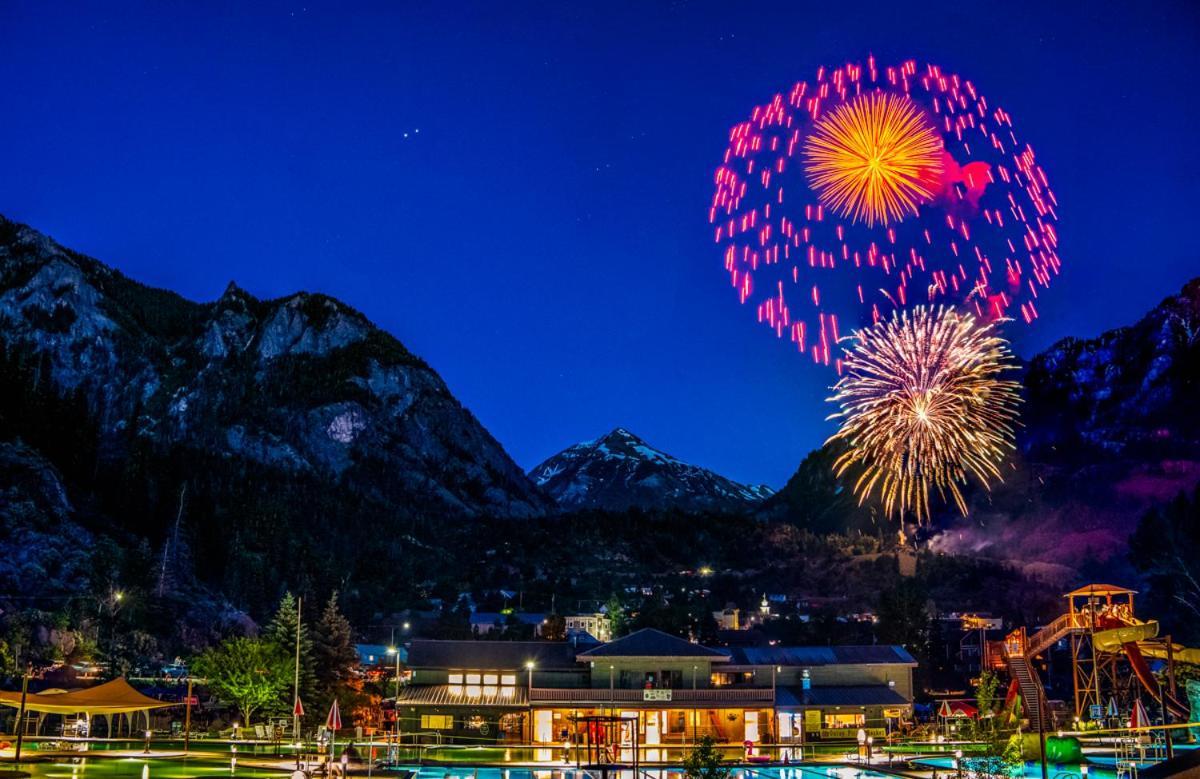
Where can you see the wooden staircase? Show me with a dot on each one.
(1033, 697)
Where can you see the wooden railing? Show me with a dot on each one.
(1046, 637)
(604, 695)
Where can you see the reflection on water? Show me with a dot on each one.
(766, 772)
(140, 768)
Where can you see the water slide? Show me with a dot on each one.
(1134, 639)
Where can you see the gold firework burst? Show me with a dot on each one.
(875, 158)
(923, 407)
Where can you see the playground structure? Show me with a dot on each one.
(609, 743)
(1105, 636)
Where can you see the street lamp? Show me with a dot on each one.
(391, 650)
(958, 762)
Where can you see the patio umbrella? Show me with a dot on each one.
(333, 723)
(1138, 717)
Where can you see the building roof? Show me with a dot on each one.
(1099, 589)
(848, 695)
(649, 642)
(499, 618)
(491, 655)
(878, 654)
(452, 695)
(377, 654)
(115, 697)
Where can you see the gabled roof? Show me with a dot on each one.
(491, 655)
(1099, 589)
(649, 642)
(879, 654)
(497, 618)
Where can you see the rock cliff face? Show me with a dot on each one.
(620, 471)
(300, 384)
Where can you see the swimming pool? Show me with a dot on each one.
(1030, 770)
(144, 768)
(766, 772)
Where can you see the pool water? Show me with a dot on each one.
(1031, 769)
(140, 768)
(766, 772)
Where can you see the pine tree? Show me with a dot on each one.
(334, 652)
(282, 630)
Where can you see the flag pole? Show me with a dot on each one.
(296, 682)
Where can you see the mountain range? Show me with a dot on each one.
(291, 443)
(620, 471)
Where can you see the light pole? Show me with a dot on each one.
(391, 650)
(529, 667)
(775, 669)
(958, 762)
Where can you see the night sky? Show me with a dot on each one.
(519, 192)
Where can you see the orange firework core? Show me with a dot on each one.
(875, 158)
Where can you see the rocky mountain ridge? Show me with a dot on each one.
(620, 471)
(1109, 429)
(302, 383)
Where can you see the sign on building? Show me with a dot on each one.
(656, 695)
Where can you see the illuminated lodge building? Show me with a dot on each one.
(522, 691)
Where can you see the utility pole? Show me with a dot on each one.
(187, 717)
(1162, 699)
(21, 715)
(1043, 710)
(296, 680)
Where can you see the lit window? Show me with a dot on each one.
(844, 720)
(508, 679)
(437, 722)
(473, 678)
(491, 679)
(455, 678)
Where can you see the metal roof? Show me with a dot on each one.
(1100, 589)
(879, 654)
(492, 655)
(455, 695)
(649, 642)
(850, 695)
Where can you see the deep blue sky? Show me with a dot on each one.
(542, 240)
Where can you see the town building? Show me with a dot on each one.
(675, 690)
(597, 625)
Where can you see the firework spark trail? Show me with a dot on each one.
(923, 407)
(811, 233)
(874, 159)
